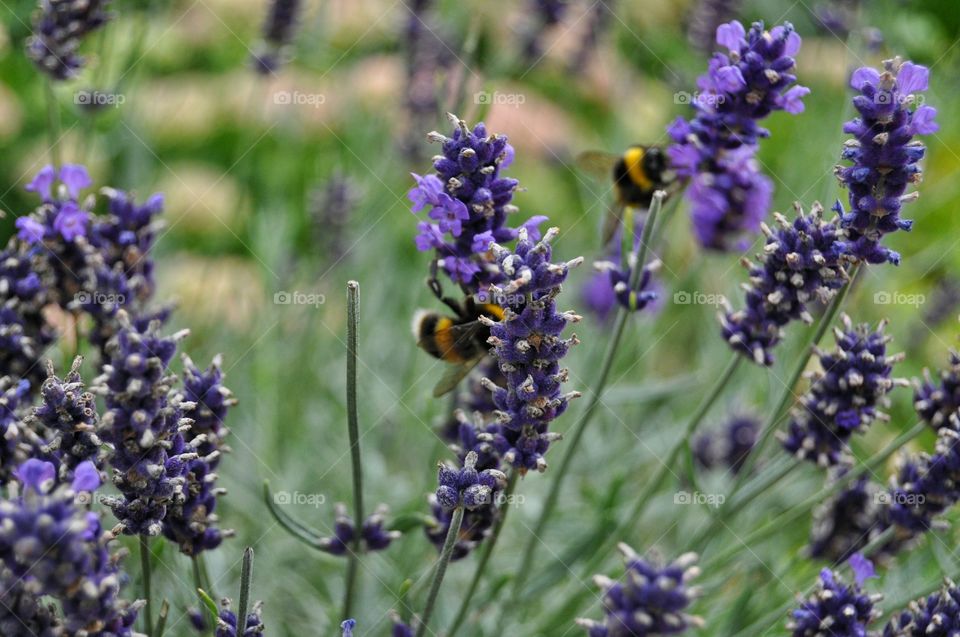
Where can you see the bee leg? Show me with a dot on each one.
(434, 284)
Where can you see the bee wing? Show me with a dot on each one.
(597, 163)
(453, 375)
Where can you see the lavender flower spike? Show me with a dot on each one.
(884, 156)
(800, 263)
(58, 30)
(227, 622)
(649, 600)
(834, 609)
(937, 400)
(528, 346)
(936, 616)
(278, 31)
(373, 532)
(468, 487)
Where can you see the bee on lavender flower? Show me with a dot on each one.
(637, 173)
(461, 339)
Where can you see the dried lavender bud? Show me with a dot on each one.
(374, 535)
(716, 150)
(227, 622)
(937, 401)
(58, 30)
(649, 600)
(844, 610)
(278, 32)
(58, 548)
(68, 413)
(143, 423)
(477, 525)
(527, 344)
(883, 155)
(468, 200)
(468, 487)
(844, 397)
(729, 447)
(936, 616)
(802, 262)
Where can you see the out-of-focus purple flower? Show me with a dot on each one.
(227, 622)
(331, 207)
(848, 521)
(544, 14)
(845, 609)
(728, 447)
(649, 600)
(705, 17)
(801, 263)
(14, 396)
(278, 32)
(58, 30)
(597, 23)
(347, 627)
(884, 157)
(938, 615)
(29, 230)
(58, 548)
(527, 344)
(466, 486)
(716, 150)
(25, 289)
(926, 485)
(374, 535)
(937, 400)
(143, 423)
(23, 612)
(618, 280)
(471, 201)
(844, 397)
(399, 628)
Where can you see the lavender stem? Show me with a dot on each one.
(448, 545)
(577, 430)
(145, 576)
(484, 558)
(353, 429)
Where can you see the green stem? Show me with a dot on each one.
(448, 545)
(246, 575)
(353, 429)
(145, 576)
(197, 579)
(484, 557)
(53, 123)
(578, 429)
(786, 398)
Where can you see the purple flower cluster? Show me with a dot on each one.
(716, 150)
(374, 535)
(144, 423)
(926, 485)
(802, 262)
(468, 202)
(24, 332)
(844, 397)
(331, 207)
(937, 400)
(57, 547)
(58, 30)
(466, 486)
(936, 616)
(278, 31)
(528, 346)
(68, 419)
(835, 608)
(192, 521)
(729, 447)
(227, 621)
(848, 521)
(13, 451)
(883, 155)
(23, 613)
(648, 600)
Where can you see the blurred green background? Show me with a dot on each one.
(241, 172)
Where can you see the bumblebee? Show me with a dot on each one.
(637, 174)
(460, 340)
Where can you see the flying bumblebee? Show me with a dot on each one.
(460, 340)
(637, 174)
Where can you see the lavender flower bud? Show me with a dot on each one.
(729, 447)
(848, 521)
(227, 622)
(844, 397)
(466, 486)
(649, 599)
(884, 158)
(926, 485)
(846, 610)
(374, 535)
(13, 399)
(527, 344)
(477, 525)
(23, 613)
(936, 616)
(25, 289)
(936, 401)
(802, 262)
(278, 32)
(58, 30)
